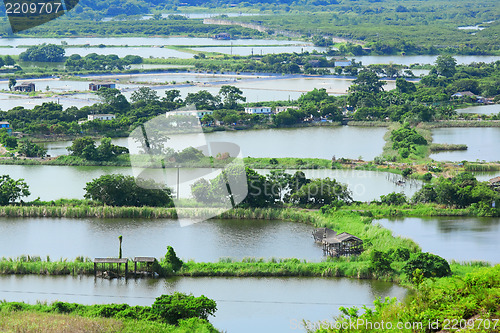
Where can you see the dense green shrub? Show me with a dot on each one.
(427, 177)
(172, 259)
(393, 198)
(172, 308)
(380, 261)
(430, 264)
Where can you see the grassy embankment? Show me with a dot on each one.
(73, 317)
(419, 169)
(354, 220)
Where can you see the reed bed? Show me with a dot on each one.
(87, 211)
(21, 265)
(461, 123)
(447, 147)
(482, 167)
(280, 268)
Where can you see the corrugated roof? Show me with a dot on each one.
(331, 237)
(494, 180)
(110, 260)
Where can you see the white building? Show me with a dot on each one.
(91, 117)
(343, 63)
(198, 113)
(258, 110)
(284, 108)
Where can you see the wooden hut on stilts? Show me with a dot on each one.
(336, 245)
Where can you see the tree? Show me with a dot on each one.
(12, 83)
(214, 191)
(315, 95)
(430, 264)
(120, 190)
(11, 190)
(331, 111)
(7, 140)
(393, 198)
(203, 100)
(146, 95)
(446, 65)
(114, 98)
(380, 261)
(320, 192)
(172, 308)
(404, 86)
(173, 96)
(367, 81)
(9, 61)
(79, 144)
(85, 147)
(172, 259)
(230, 95)
(425, 195)
(30, 149)
(44, 53)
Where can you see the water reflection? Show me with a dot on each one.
(458, 238)
(481, 109)
(205, 241)
(482, 143)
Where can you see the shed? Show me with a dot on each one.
(336, 245)
(495, 182)
(96, 86)
(148, 262)
(25, 87)
(101, 263)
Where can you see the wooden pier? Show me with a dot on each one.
(336, 245)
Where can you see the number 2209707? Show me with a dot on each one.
(33, 7)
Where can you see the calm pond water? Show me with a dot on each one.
(62, 85)
(481, 109)
(482, 143)
(365, 185)
(8, 102)
(206, 241)
(243, 304)
(485, 176)
(458, 238)
(307, 142)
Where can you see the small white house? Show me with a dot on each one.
(197, 113)
(91, 117)
(284, 108)
(461, 94)
(343, 63)
(258, 110)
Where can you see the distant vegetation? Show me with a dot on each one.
(67, 27)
